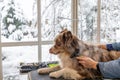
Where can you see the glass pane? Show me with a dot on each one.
(13, 56)
(56, 15)
(87, 20)
(18, 21)
(46, 56)
(110, 21)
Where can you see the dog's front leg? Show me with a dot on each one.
(48, 70)
(66, 73)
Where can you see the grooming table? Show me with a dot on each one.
(33, 75)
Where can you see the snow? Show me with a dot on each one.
(11, 28)
(22, 54)
(16, 55)
(6, 40)
(27, 7)
(118, 36)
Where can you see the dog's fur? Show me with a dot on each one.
(66, 44)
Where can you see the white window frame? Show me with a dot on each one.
(98, 20)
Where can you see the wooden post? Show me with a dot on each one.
(74, 16)
(1, 74)
(39, 29)
(98, 20)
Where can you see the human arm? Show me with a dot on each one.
(112, 46)
(109, 69)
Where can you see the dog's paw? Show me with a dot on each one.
(77, 77)
(72, 76)
(43, 71)
(54, 75)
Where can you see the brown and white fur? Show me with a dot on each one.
(66, 45)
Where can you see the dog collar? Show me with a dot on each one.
(75, 54)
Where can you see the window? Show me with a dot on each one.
(13, 56)
(18, 22)
(87, 20)
(19, 36)
(110, 23)
(55, 16)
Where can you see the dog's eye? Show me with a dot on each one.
(58, 44)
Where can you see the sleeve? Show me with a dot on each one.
(113, 46)
(116, 46)
(110, 69)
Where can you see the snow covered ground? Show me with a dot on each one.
(13, 56)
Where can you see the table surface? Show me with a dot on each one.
(33, 75)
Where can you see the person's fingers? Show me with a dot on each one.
(82, 63)
(103, 46)
(81, 57)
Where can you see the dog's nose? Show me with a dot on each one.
(50, 50)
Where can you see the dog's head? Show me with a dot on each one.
(65, 42)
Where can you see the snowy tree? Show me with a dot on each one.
(12, 18)
(110, 22)
(90, 21)
(87, 17)
(56, 15)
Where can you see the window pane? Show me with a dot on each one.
(13, 56)
(56, 15)
(18, 22)
(87, 17)
(46, 56)
(110, 21)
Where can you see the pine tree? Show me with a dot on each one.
(13, 18)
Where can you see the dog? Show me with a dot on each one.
(67, 47)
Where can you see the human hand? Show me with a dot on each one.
(103, 46)
(87, 62)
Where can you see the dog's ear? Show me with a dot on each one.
(65, 30)
(66, 37)
(75, 43)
